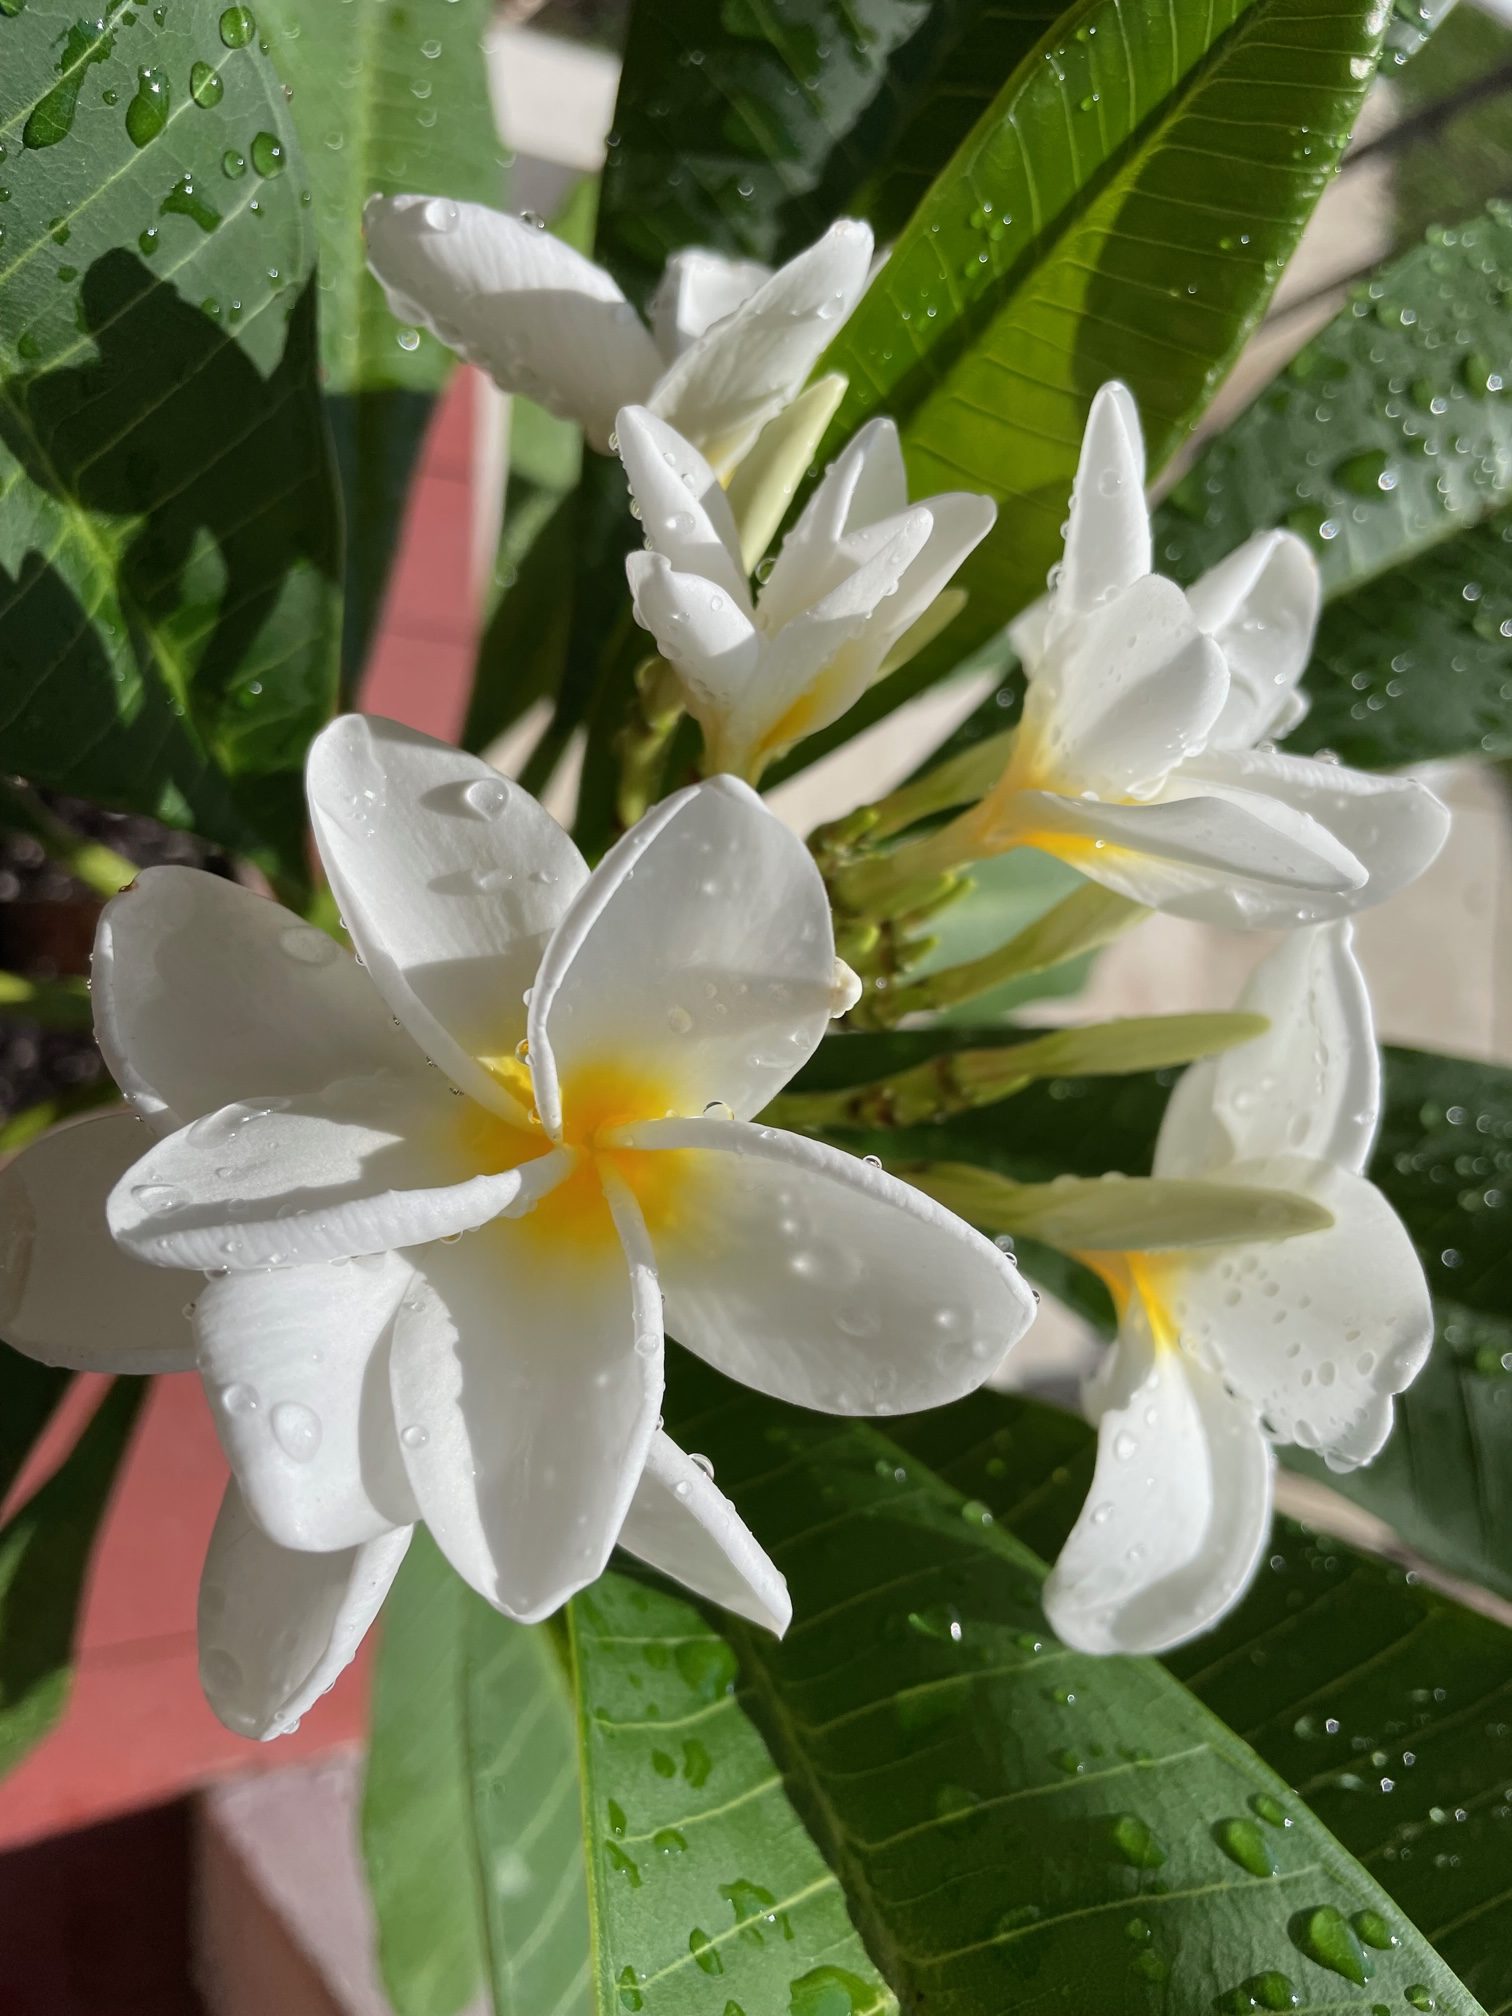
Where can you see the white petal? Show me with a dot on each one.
(703, 632)
(1124, 695)
(295, 1361)
(1108, 531)
(369, 1164)
(450, 880)
(864, 485)
(204, 993)
(1310, 1086)
(814, 1276)
(1215, 859)
(1178, 1513)
(696, 290)
(1394, 826)
(1260, 605)
(527, 1377)
(959, 522)
(819, 664)
(68, 1294)
(278, 1628)
(534, 314)
(1317, 1332)
(699, 959)
(730, 381)
(682, 1523)
(685, 513)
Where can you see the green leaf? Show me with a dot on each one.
(470, 1827)
(169, 532)
(1388, 443)
(1450, 145)
(388, 100)
(751, 128)
(1383, 1703)
(1064, 245)
(707, 1892)
(44, 1553)
(28, 1394)
(1017, 1825)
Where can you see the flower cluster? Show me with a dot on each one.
(435, 1207)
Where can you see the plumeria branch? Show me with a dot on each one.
(1084, 921)
(957, 1081)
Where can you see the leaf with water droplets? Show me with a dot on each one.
(168, 529)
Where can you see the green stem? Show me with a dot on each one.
(960, 780)
(1089, 917)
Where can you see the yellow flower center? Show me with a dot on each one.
(1151, 1279)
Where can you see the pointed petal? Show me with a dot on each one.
(864, 485)
(696, 290)
(685, 513)
(1318, 1332)
(1216, 859)
(705, 636)
(681, 1523)
(517, 302)
(295, 1362)
(68, 1294)
(767, 479)
(816, 1277)
(701, 951)
(1310, 1086)
(1124, 695)
(203, 992)
(725, 385)
(1108, 531)
(277, 1628)
(1178, 1513)
(527, 1378)
(371, 1164)
(1394, 826)
(450, 880)
(1260, 605)
(959, 522)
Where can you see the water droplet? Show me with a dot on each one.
(206, 86)
(1243, 1842)
(147, 114)
(1325, 1935)
(156, 1198)
(679, 1021)
(408, 339)
(233, 164)
(829, 1991)
(414, 1437)
(51, 118)
(704, 1952)
(1270, 1810)
(237, 27)
(1374, 1930)
(1137, 1843)
(296, 1429)
(238, 1399)
(267, 154)
(487, 797)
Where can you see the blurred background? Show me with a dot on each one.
(150, 1861)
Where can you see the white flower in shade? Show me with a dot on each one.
(600, 1044)
(852, 589)
(729, 345)
(1140, 759)
(1223, 1351)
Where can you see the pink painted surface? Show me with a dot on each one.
(137, 1730)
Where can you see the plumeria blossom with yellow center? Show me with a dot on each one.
(856, 586)
(443, 1201)
(729, 343)
(1141, 757)
(1223, 1352)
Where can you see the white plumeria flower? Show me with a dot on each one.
(729, 346)
(1223, 1351)
(858, 573)
(369, 1367)
(1140, 758)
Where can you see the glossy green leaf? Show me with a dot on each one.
(1388, 443)
(388, 99)
(708, 1893)
(1451, 144)
(1381, 1702)
(1064, 244)
(470, 1827)
(44, 1555)
(169, 530)
(751, 127)
(1017, 1825)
